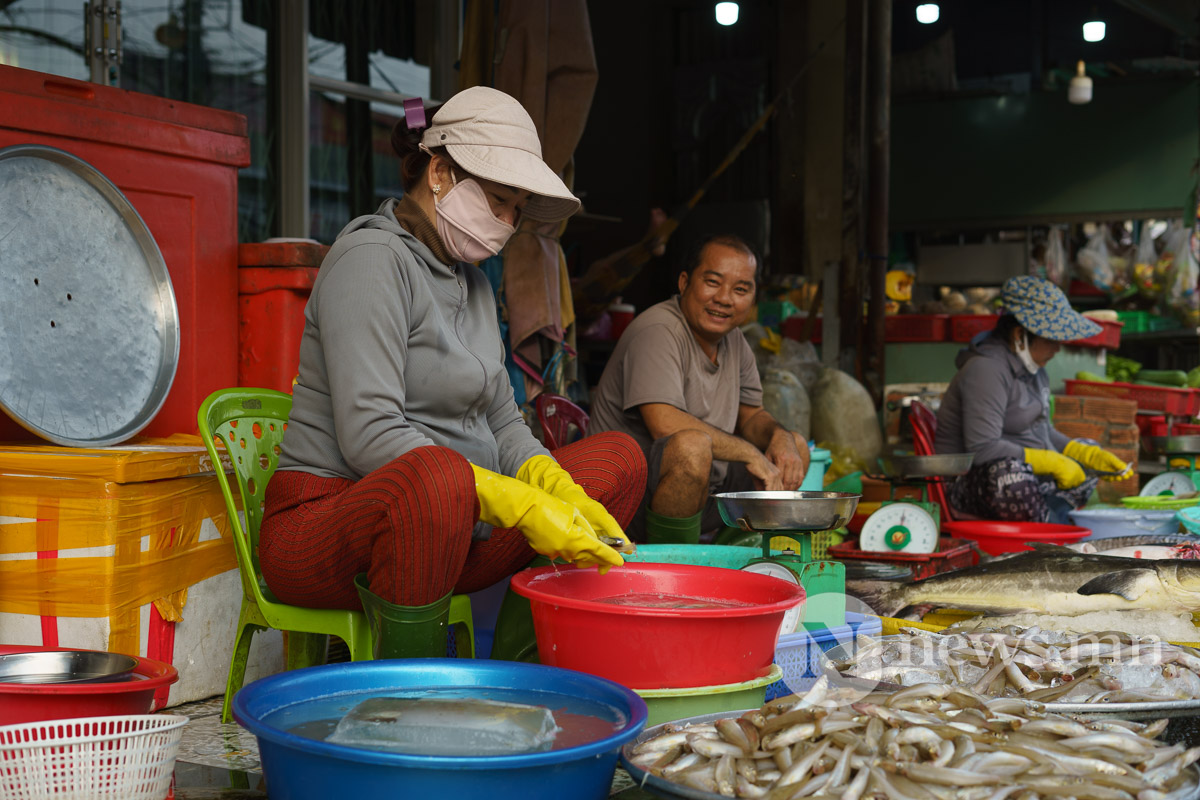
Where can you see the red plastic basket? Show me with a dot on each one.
(951, 554)
(964, 327)
(583, 621)
(916, 327)
(1109, 336)
(34, 702)
(1168, 399)
(793, 328)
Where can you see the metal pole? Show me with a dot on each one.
(291, 104)
(853, 286)
(879, 60)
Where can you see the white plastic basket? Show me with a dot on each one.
(90, 758)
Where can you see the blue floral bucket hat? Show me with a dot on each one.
(1042, 309)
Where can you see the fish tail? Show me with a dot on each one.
(884, 598)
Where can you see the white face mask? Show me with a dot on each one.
(1022, 348)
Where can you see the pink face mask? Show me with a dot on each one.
(469, 229)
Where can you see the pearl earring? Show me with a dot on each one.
(437, 187)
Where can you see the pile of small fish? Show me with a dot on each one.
(926, 742)
(1045, 666)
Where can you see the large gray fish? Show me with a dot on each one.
(1049, 579)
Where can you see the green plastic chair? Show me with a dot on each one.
(250, 423)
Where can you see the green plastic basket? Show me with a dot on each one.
(1160, 503)
(665, 705)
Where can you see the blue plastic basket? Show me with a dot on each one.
(797, 653)
(1190, 517)
(1105, 523)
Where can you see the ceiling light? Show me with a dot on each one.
(928, 13)
(1080, 89)
(727, 13)
(1093, 31)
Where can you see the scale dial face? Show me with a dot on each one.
(791, 618)
(899, 528)
(1168, 483)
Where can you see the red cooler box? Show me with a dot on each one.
(177, 164)
(274, 282)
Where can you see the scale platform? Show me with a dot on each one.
(1183, 473)
(906, 525)
(797, 515)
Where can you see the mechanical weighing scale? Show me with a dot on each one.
(1183, 474)
(797, 515)
(906, 524)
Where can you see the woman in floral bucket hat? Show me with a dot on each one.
(997, 407)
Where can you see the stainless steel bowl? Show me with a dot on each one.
(1167, 445)
(65, 666)
(943, 465)
(787, 511)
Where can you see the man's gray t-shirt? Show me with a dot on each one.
(658, 360)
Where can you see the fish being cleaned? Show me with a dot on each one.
(1048, 579)
(620, 545)
(1188, 551)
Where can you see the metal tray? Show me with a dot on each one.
(89, 327)
(787, 511)
(944, 465)
(1163, 445)
(65, 666)
(660, 787)
(1144, 711)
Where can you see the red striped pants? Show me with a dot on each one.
(408, 525)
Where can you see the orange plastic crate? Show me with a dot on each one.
(1167, 399)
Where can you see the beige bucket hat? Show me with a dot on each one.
(490, 135)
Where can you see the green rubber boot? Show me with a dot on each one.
(404, 631)
(515, 639)
(661, 529)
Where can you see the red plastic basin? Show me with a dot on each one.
(997, 538)
(646, 647)
(32, 702)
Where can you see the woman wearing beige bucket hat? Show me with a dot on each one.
(407, 472)
(997, 407)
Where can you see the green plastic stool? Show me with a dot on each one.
(250, 424)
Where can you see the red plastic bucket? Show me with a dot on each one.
(997, 538)
(579, 627)
(34, 702)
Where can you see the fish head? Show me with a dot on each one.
(1187, 575)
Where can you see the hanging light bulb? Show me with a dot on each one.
(1093, 30)
(928, 13)
(1080, 89)
(727, 13)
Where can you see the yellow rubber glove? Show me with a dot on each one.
(554, 528)
(1098, 459)
(545, 473)
(1067, 473)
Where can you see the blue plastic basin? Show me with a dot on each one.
(299, 767)
(1104, 523)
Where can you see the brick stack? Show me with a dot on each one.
(1111, 422)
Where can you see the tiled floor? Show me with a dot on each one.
(220, 761)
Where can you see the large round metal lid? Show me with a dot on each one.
(89, 328)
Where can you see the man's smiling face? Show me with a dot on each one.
(717, 296)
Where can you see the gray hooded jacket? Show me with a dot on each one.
(994, 407)
(400, 351)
